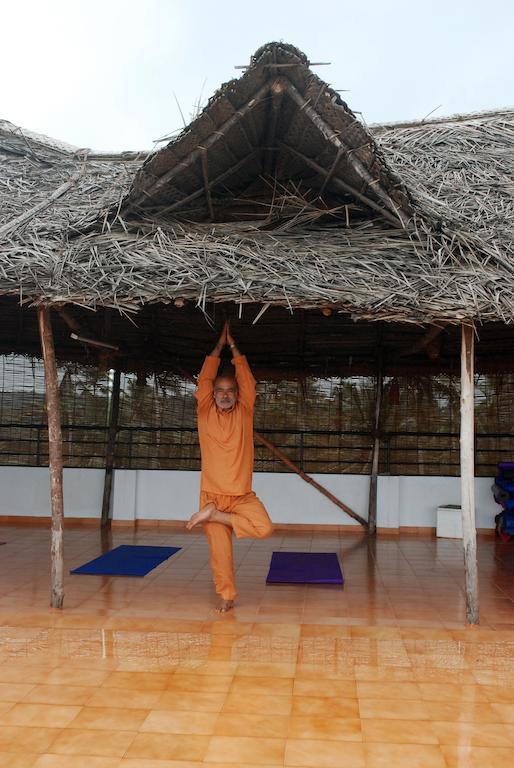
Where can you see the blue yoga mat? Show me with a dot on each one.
(304, 568)
(127, 560)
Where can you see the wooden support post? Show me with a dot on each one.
(55, 456)
(467, 474)
(105, 539)
(373, 481)
(111, 444)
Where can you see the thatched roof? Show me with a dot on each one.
(275, 195)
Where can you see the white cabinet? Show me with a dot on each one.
(449, 522)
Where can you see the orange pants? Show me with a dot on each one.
(249, 520)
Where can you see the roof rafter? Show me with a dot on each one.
(207, 188)
(207, 144)
(340, 144)
(211, 183)
(277, 92)
(345, 187)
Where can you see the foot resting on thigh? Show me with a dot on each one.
(202, 516)
(225, 606)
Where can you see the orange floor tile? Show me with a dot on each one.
(142, 673)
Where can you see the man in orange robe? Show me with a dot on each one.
(225, 428)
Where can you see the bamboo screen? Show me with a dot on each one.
(323, 425)
(23, 430)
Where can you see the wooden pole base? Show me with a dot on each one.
(111, 448)
(467, 474)
(373, 481)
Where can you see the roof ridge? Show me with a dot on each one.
(7, 128)
(459, 117)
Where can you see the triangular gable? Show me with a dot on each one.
(278, 128)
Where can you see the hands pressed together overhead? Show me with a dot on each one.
(225, 339)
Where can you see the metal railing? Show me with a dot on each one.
(323, 451)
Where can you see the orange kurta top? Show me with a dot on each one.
(226, 439)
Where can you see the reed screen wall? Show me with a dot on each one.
(323, 425)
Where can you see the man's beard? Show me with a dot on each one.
(226, 407)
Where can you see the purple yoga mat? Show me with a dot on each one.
(305, 568)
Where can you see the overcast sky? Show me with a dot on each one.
(108, 74)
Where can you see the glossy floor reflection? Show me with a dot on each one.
(380, 673)
(399, 581)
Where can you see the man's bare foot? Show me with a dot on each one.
(201, 517)
(225, 606)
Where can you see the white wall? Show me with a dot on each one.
(419, 496)
(26, 491)
(170, 495)
(174, 495)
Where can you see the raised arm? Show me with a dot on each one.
(205, 382)
(222, 341)
(245, 380)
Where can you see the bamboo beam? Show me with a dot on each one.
(283, 458)
(194, 156)
(467, 474)
(251, 142)
(335, 139)
(55, 456)
(205, 176)
(424, 343)
(70, 321)
(343, 186)
(94, 342)
(373, 481)
(110, 449)
(331, 171)
(81, 332)
(199, 192)
(24, 218)
(277, 93)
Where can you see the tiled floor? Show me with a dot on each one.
(141, 673)
(396, 581)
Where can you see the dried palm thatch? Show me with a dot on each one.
(409, 223)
